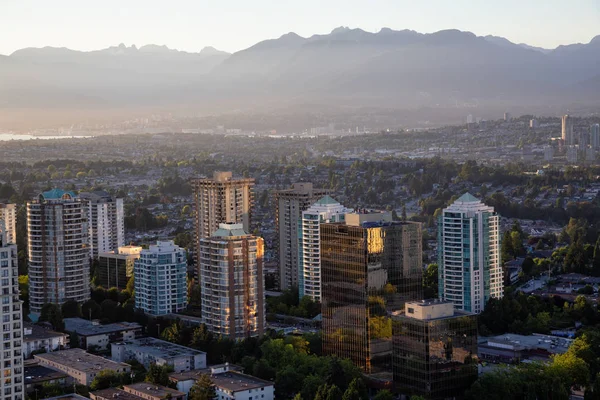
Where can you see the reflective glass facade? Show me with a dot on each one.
(435, 358)
(366, 271)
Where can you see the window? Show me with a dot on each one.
(411, 310)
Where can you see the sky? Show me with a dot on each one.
(233, 25)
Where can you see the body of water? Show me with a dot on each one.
(4, 137)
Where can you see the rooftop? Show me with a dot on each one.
(194, 374)
(468, 202)
(226, 230)
(159, 348)
(113, 393)
(237, 382)
(71, 396)
(83, 327)
(57, 194)
(81, 360)
(512, 341)
(37, 374)
(37, 332)
(153, 390)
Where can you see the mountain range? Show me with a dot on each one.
(347, 67)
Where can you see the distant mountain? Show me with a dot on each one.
(344, 67)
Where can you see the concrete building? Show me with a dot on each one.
(79, 364)
(139, 391)
(548, 153)
(366, 260)
(221, 200)
(470, 272)
(534, 124)
(11, 356)
(507, 117)
(434, 349)
(232, 282)
(36, 338)
(511, 348)
(57, 234)
(230, 384)
(92, 334)
(567, 134)
(160, 276)
(595, 136)
(290, 204)
(8, 214)
(325, 210)
(115, 268)
(106, 222)
(590, 154)
(155, 351)
(36, 377)
(572, 155)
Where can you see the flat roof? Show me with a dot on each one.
(154, 390)
(39, 332)
(71, 396)
(83, 327)
(512, 341)
(237, 382)
(81, 360)
(159, 348)
(38, 374)
(194, 374)
(113, 393)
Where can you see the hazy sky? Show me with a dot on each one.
(236, 24)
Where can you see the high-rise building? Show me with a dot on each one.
(115, 268)
(59, 265)
(534, 124)
(434, 350)
(571, 154)
(221, 200)
(584, 139)
(8, 213)
(325, 210)
(11, 356)
(370, 265)
(160, 279)
(106, 222)
(289, 206)
(507, 117)
(548, 153)
(595, 136)
(469, 268)
(567, 130)
(232, 282)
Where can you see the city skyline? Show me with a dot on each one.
(85, 28)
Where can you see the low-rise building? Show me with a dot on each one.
(38, 339)
(155, 351)
(70, 396)
(229, 383)
(37, 376)
(139, 391)
(91, 333)
(513, 348)
(79, 364)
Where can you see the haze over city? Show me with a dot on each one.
(385, 200)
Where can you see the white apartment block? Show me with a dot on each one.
(325, 210)
(11, 356)
(8, 213)
(470, 272)
(160, 276)
(106, 222)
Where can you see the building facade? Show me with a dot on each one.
(36, 339)
(59, 265)
(232, 282)
(115, 268)
(469, 268)
(160, 276)
(8, 214)
(325, 210)
(434, 350)
(106, 222)
(11, 357)
(221, 200)
(567, 130)
(290, 204)
(370, 265)
(595, 136)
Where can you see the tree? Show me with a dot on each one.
(105, 379)
(384, 395)
(203, 389)
(527, 266)
(356, 390)
(507, 250)
(430, 281)
(52, 314)
(158, 374)
(91, 310)
(71, 309)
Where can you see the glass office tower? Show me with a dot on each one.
(369, 265)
